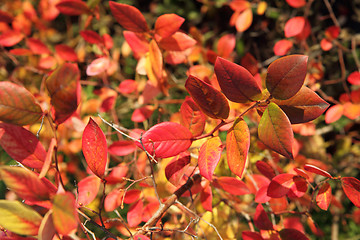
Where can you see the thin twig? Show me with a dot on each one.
(331, 12)
(353, 51)
(123, 222)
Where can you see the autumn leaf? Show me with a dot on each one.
(134, 215)
(167, 24)
(237, 146)
(280, 185)
(66, 53)
(317, 170)
(324, 196)
(91, 37)
(351, 187)
(294, 26)
(275, 130)
(192, 117)
(94, 147)
(231, 185)
(177, 42)
(226, 45)
(206, 198)
(176, 168)
(244, 20)
(209, 157)
(65, 216)
(292, 234)
(37, 46)
(17, 105)
(261, 219)
(10, 38)
(72, 7)
(88, 188)
(282, 47)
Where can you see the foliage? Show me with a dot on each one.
(174, 120)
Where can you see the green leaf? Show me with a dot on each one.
(275, 130)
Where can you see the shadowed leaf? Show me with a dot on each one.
(72, 7)
(65, 216)
(292, 234)
(176, 168)
(261, 219)
(231, 185)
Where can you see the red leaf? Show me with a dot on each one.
(176, 168)
(94, 147)
(286, 76)
(294, 26)
(117, 174)
(226, 45)
(108, 104)
(334, 113)
(177, 42)
(10, 38)
(131, 196)
(261, 219)
(141, 237)
(280, 185)
(91, 37)
(192, 117)
(206, 198)
(26, 184)
(88, 188)
(128, 86)
(275, 130)
(37, 46)
(212, 102)
(296, 4)
(294, 223)
(134, 215)
(265, 169)
(303, 107)
(249, 62)
(113, 200)
(324, 196)
(142, 114)
(166, 139)
(20, 52)
(66, 53)
(261, 195)
(351, 187)
(209, 157)
(17, 105)
(354, 78)
(237, 146)
(301, 173)
(292, 234)
(137, 42)
(282, 47)
(72, 7)
(22, 145)
(5, 17)
(247, 235)
(298, 188)
(63, 85)
(65, 216)
(149, 211)
(122, 148)
(237, 83)
(128, 17)
(47, 229)
(167, 24)
(325, 44)
(317, 170)
(332, 32)
(231, 185)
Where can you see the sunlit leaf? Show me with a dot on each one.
(176, 168)
(17, 105)
(286, 76)
(192, 117)
(88, 188)
(113, 200)
(292, 234)
(324, 196)
(128, 17)
(244, 20)
(134, 215)
(19, 218)
(209, 157)
(72, 7)
(261, 195)
(354, 78)
(351, 111)
(237, 146)
(298, 188)
(137, 42)
(351, 187)
(303, 107)
(94, 147)
(206, 198)
(117, 174)
(22, 145)
(48, 159)
(296, 3)
(275, 130)
(156, 59)
(149, 210)
(98, 66)
(280, 185)
(166, 139)
(10, 38)
(212, 102)
(261, 219)
(282, 47)
(26, 184)
(177, 42)
(132, 195)
(334, 113)
(64, 87)
(226, 45)
(37, 46)
(294, 26)
(325, 44)
(317, 170)
(231, 185)
(237, 83)
(167, 24)
(65, 216)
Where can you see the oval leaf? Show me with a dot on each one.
(91, 37)
(167, 24)
(122, 148)
(212, 102)
(10, 38)
(206, 198)
(64, 87)
(324, 196)
(17, 105)
(94, 147)
(176, 168)
(22, 145)
(305, 106)
(209, 157)
(192, 117)
(275, 130)
(286, 76)
(351, 187)
(237, 146)
(231, 185)
(47, 229)
(294, 26)
(134, 215)
(166, 139)
(177, 42)
(72, 7)
(236, 82)
(128, 17)
(261, 219)
(317, 170)
(247, 235)
(37, 46)
(66, 53)
(65, 216)
(88, 189)
(19, 218)
(280, 185)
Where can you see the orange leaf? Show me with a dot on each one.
(354, 78)
(137, 42)
(37, 46)
(167, 24)
(211, 101)
(244, 20)
(324, 196)
(209, 157)
(48, 158)
(192, 117)
(351, 187)
(231, 185)
(334, 113)
(177, 42)
(156, 60)
(237, 146)
(47, 229)
(206, 198)
(128, 17)
(94, 147)
(113, 200)
(282, 47)
(65, 216)
(351, 111)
